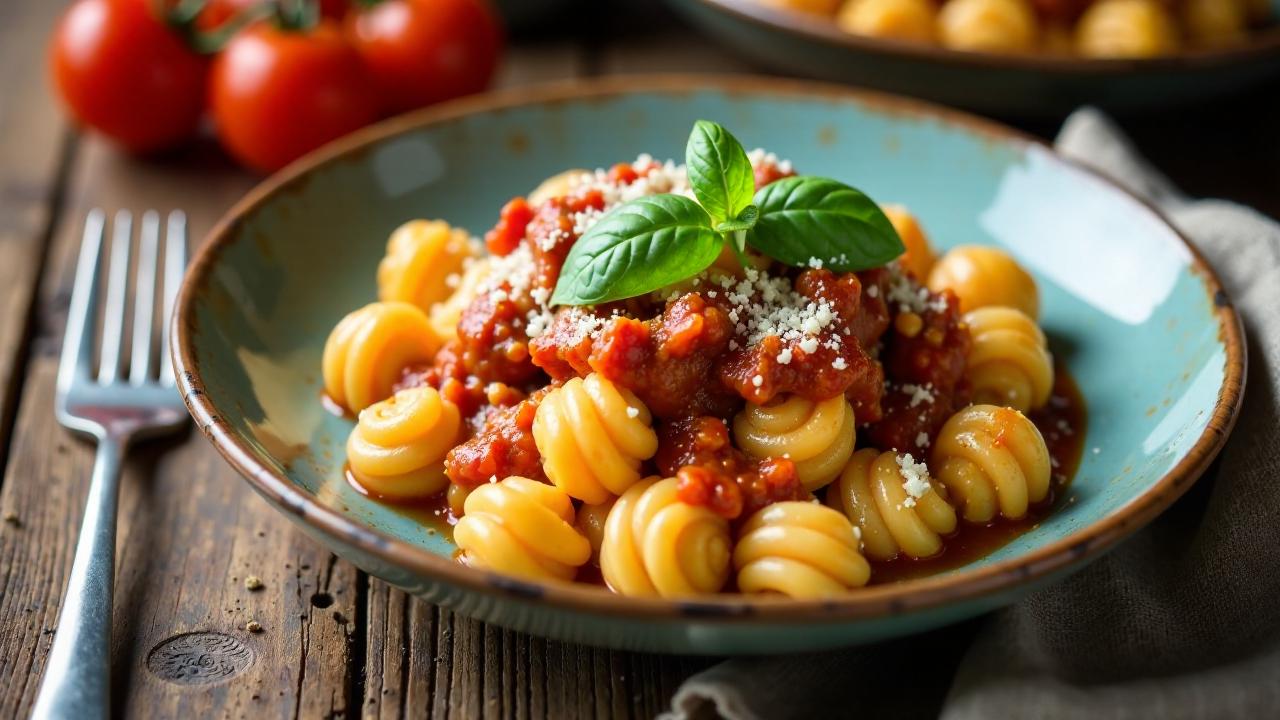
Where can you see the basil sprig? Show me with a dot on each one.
(653, 241)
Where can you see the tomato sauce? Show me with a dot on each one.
(1063, 424)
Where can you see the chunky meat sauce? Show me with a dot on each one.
(691, 361)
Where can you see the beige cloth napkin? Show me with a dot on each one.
(1180, 621)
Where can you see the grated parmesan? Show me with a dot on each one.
(915, 479)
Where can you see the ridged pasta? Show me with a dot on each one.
(421, 255)
(982, 276)
(799, 549)
(557, 185)
(368, 349)
(896, 513)
(817, 436)
(656, 545)
(591, 520)
(1215, 23)
(999, 26)
(397, 447)
(1126, 29)
(456, 498)
(919, 257)
(521, 527)
(592, 436)
(445, 315)
(991, 460)
(1009, 363)
(914, 20)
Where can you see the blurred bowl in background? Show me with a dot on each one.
(1033, 86)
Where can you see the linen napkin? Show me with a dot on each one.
(1180, 621)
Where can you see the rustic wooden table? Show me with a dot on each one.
(335, 642)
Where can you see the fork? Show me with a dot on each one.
(114, 410)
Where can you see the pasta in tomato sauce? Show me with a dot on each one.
(757, 425)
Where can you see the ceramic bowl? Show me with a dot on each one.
(1130, 306)
(1024, 86)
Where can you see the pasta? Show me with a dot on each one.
(982, 276)
(998, 26)
(522, 527)
(591, 520)
(992, 460)
(1010, 362)
(656, 545)
(1215, 23)
(919, 257)
(421, 256)
(702, 436)
(368, 349)
(445, 315)
(799, 549)
(397, 447)
(899, 19)
(1126, 29)
(557, 185)
(592, 436)
(1063, 28)
(456, 499)
(892, 500)
(817, 436)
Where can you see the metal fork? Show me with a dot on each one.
(114, 410)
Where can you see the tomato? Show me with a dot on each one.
(277, 93)
(120, 70)
(424, 51)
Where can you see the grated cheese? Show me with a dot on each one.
(922, 439)
(919, 393)
(915, 479)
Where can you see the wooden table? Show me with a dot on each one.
(335, 642)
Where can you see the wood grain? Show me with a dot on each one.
(190, 531)
(334, 643)
(33, 141)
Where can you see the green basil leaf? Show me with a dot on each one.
(745, 220)
(638, 247)
(719, 171)
(810, 217)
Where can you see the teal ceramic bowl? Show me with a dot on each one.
(1024, 86)
(1131, 308)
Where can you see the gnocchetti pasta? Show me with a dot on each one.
(761, 423)
(1107, 29)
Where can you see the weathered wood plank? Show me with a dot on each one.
(33, 139)
(190, 529)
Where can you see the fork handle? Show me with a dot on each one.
(77, 676)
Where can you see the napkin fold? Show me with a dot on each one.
(1181, 621)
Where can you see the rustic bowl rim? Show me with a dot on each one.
(824, 30)
(867, 603)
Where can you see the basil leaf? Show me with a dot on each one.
(745, 221)
(719, 171)
(810, 217)
(636, 248)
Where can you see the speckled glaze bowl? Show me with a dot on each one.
(1131, 308)
(1011, 85)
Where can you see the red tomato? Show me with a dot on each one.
(123, 72)
(276, 94)
(424, 51)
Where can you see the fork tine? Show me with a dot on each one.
(175, 265)
(77, 343)
(117, 293)
(144, 292)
